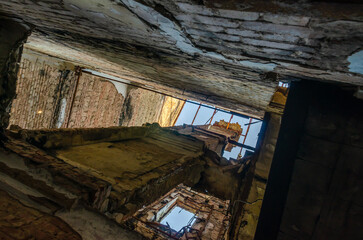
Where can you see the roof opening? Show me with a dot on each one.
(248, 128)
(178, 218)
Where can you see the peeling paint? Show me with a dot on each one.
(172, 30)
(169, 28)
(120, 87)
(261, 66)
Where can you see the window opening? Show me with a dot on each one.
(177, 218)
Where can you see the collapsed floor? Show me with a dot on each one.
(113, 171)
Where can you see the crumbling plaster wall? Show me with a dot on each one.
(119, 169)
(27, 213)
(179, 46)
(45, 90)
(211, 215)
(21, 222)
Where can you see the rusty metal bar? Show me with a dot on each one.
(79, 72)
(214, 113)
(241, 145)
(196, 113)
(229, 121)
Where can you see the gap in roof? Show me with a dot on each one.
(203, 116)
(178, 218)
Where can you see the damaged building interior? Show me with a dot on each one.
(181, 119)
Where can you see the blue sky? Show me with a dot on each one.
(178, 218)
(204, 114)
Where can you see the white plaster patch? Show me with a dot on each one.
(119, 83)
(62, 113)
(168, 27)
(261, 66)
(356, 62)
(171, 30)
(120, 87)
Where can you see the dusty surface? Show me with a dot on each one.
(94, 226)
(123, 161)
(112, 170)
(20, 222)
(26, 212)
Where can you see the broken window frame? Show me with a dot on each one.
(202, 211)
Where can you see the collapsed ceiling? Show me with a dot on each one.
(228, 53)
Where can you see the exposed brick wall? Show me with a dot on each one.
(36, 98)
(211, 214)
(141, 107)
(44, 97)
(45, 90)
(97, 103)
